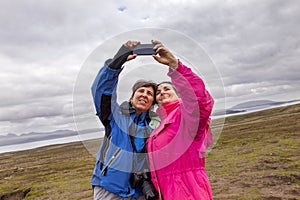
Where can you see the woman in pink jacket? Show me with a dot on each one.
(177, 147)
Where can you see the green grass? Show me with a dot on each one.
(55, 172)
(256, 157)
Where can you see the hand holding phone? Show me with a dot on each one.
(144, 49)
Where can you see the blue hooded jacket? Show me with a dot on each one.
(117, 158)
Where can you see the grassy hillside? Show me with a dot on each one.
(257, 156)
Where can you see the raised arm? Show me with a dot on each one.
(192, 92)
(196, 100)
(107, 78)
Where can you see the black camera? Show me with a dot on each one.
(144, 49)
(143, 179)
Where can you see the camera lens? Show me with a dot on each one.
(135, 180)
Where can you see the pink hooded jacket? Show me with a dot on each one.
(177, 147)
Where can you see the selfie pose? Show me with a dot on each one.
(121, 171)
(176, 148)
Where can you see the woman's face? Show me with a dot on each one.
(142, 99)
(165, 93)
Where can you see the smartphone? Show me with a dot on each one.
(144, 49)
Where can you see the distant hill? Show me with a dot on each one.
(241, 108)
(10, 138)
(252, 106)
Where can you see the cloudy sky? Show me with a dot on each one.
(47, 47)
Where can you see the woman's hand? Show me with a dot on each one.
(164, 55)
(131, 45)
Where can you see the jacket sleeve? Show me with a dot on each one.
(197, 103)
(103, 88)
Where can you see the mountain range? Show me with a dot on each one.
(11, 139)
(252, 106)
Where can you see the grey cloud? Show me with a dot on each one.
(258, 38)
(43, 45)
(34, 30)
(46, 107)
(254, 44)
(23, 87)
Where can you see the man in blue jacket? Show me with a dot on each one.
(127, 126)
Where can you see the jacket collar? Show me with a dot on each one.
(127, 109)
(165, 109)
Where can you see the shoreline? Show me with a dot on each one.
(43, 143)
(84, 137)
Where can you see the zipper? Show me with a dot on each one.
(110, 162)
(105, 150)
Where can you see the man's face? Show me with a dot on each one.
(142, 99)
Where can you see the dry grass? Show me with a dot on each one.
(256, 157)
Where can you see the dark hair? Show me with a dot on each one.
(143, 83)
(170, 83)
